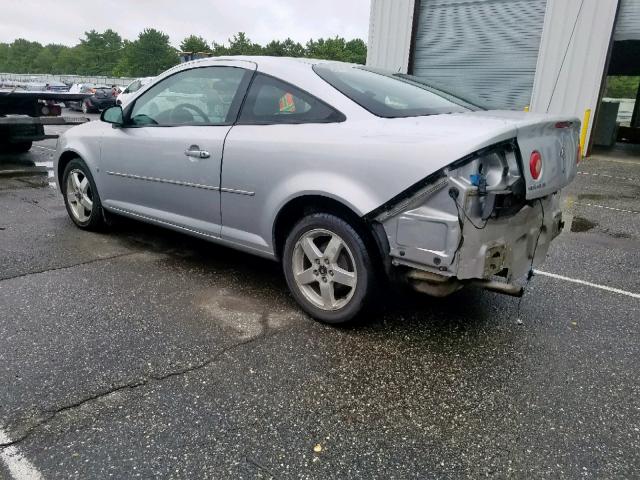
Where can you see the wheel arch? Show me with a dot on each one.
(301, 206)
(63, 161)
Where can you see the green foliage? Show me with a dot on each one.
(240, 44)
(622, 87)
(106, 53)
(43, 63)
(149, 55)
(194, 44)
(338, 49)
(69, 60)
(99, 52)
(21, 55)
(288, 48)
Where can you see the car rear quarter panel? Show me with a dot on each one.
(361, 164)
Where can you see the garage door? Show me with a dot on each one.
(628, 23)
(480, 48)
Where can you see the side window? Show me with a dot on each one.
(200, 96)
(134, 87)
(272, 101)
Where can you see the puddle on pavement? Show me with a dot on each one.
(621, 235)
(245, 315)
(580, 225)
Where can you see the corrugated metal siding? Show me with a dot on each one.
(483, 48)
(390, 25)
(573, 54)
(628, 25)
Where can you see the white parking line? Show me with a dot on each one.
(44, 148)
(614, 160)
(606, 208)
(588, 284)
(19, 467)
(608, 176)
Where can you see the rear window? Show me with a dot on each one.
(273, 101)
(134, 87)
(387, 94)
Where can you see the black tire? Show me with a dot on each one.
(96, 218)
(21, 147)
(366, 272)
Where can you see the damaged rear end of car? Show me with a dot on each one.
(486, 219)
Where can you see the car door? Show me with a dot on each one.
(164, 164)
(280, 132)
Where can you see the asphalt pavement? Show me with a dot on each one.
(143, 353)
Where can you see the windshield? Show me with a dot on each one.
(390, 95)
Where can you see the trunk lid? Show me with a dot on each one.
(555, 138)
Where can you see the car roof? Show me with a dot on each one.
(261, 61)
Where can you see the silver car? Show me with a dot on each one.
(346, 175)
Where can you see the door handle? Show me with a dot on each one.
(195, 152)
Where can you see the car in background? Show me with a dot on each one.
(103, 97)
(132, 88)
(54, 86)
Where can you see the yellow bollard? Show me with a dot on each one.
(526, 109)
(585, 129)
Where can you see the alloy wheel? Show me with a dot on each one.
(79, 195)
(324, 269)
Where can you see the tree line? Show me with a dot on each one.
(622, 87)
(108, 54)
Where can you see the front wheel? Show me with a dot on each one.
(81, 196)
(328, 268)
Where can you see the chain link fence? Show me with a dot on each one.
(45, 78)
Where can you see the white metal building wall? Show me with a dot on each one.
(483, 48)
(390, 29)
(628, 24)
(573, 54)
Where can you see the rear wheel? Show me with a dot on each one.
(328, 268)
(81, 196)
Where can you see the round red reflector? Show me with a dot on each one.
(535, 165)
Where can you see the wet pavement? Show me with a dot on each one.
(142, 353)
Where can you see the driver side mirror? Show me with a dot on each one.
(113, 115)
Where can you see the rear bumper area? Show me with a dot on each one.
(502, 247)
(471, 222)
(508, 247)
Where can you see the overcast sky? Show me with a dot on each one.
(64, 21)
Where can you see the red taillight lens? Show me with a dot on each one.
(535, 165)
